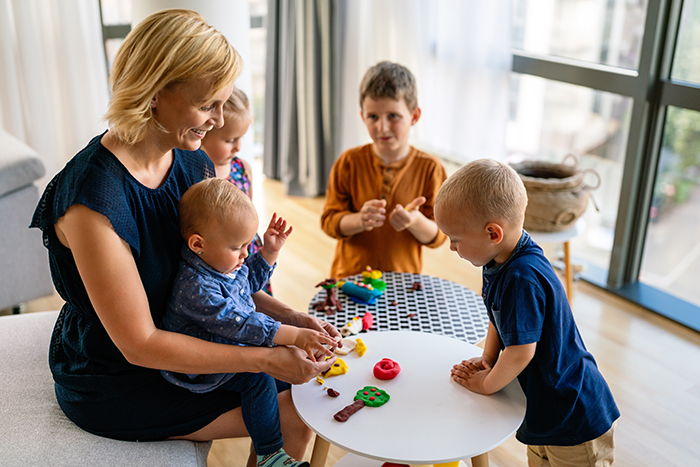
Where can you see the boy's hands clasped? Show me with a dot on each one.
(373, 214)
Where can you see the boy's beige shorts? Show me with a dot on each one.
(599, 452)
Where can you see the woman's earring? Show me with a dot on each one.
(153, 105)
(199, 252)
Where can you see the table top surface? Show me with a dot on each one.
(429, 418)
(441, 307)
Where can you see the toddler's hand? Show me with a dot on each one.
(314, 343)
(275, 235)
(471, 374)
(401, 218)
(372, 213)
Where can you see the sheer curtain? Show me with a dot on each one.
(53, 80)
(459, 52)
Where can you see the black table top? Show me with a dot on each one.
(440, 307)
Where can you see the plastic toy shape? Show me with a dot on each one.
(386, 369)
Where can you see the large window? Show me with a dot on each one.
(616, 83)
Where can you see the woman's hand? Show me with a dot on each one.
(305, 320)
(291, 364)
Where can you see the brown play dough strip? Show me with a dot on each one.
(344, 414)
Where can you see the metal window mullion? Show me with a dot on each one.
(644, 142)
(686, 96)
(599, 77)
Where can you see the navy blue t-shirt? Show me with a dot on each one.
(96, 386)
(568, 400)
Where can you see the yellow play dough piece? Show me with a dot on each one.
(361, 348)
(338, 368)
(320, 380)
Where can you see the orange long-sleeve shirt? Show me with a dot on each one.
(359, 176)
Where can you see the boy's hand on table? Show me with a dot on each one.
(372, 214)
(475, 382)
(401, 218)
(472, 373)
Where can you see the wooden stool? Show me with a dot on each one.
(564, 237)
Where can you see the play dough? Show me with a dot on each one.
(339, 367)
(372, 396)
(348, 346)
(386, 369)
(361, 347)
(368, 395)
(344, 414)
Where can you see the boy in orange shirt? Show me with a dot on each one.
(368, 180)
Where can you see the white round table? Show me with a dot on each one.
(429, 418)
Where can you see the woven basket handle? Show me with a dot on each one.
(597, 176)
(570, 156)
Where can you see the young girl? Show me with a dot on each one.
(222, 144)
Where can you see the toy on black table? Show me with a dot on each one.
(331, 304)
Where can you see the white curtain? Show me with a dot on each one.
(459, 52)
(53, 78)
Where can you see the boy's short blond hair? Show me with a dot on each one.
(387, 79)
(213, 199)
(167, 48)
(237, 105)
(486, 189)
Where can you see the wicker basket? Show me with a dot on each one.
(557, 193)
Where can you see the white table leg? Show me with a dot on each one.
(481, 460)
(320, 452)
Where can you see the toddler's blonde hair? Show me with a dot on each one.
(387, 79)
(237, 105)
(213, 199)
(167, 48)
(487, 190)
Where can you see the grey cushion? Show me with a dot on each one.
(33, 429)
(19, 164)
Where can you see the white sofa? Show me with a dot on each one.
(33, 429)
(24, 264)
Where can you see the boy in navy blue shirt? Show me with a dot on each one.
(532, 335)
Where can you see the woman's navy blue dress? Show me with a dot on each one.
(95, 386)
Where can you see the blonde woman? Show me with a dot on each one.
(109, 221)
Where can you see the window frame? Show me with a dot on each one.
(651, 89)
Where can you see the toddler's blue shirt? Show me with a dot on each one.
(219, 308)
(568, 400)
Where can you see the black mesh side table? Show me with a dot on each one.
(439, 307)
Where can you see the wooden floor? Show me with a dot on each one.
(651, 364)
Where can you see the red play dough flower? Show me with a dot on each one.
(386, 369)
